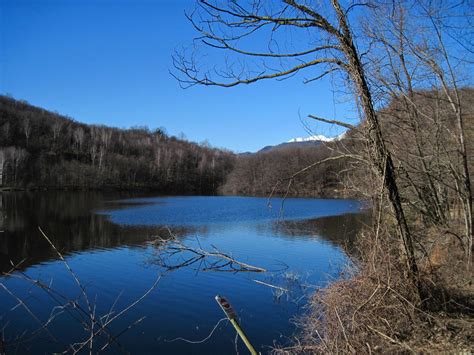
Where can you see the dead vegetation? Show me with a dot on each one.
(377, 308)
(173, 254)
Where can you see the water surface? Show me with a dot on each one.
(107, 240)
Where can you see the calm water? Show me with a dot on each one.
(107, 240)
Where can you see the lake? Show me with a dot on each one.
(109, 240)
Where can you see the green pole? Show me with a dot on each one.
(231, 315)
(243, 337)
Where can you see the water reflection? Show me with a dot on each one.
(339, 230)
(69, 221)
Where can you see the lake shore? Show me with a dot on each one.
(376, 309)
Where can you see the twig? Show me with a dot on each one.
(123, 331)
(272, 286)
(29, 311)
(173, 247)
(126, 309)
(199, 341)
(76, 279)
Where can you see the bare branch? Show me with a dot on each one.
(193, 79)
(173, 254)
(339, 123)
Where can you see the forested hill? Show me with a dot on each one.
(293, 169)
(421, 134)
(40, 149)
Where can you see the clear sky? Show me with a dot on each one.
(108, 61)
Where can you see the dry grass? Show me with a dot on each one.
(378, 311)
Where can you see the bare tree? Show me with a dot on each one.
(93, 153)
(2, 163)
(16, 156)
(424, 64)
(102, 155)
(445, 73)
(56, 127)
(101, 158)
(330, 47)
(79, 138)
(6, 130)
(27, 129)
(105, 136)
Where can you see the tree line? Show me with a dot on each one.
(290, 171)
(41, 149)
(44, 149)
(424, 151)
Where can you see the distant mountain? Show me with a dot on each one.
(317, 138)
(313, 140)
(268, 170)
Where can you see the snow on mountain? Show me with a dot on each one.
(317, 137)
(303, 141)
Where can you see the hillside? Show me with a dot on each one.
(42, 149)
(270, 170)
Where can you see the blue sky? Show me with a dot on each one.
(108, 61)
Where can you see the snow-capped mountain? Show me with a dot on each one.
(317, 138)
(303, 141)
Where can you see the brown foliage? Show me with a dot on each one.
(377, 310)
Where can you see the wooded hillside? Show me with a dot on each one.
(418, 132)
(293, 170)
(39, 148)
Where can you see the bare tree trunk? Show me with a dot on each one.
(381, 157)
(2, 162)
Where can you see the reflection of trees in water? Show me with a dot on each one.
(68, 219)
(340, 230)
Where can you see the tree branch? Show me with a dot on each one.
(336, 122)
